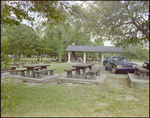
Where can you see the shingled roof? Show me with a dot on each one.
(79, 48)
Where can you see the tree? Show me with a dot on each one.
(22, 40)
(12, 13)
(136, 52)
(122, 22)
(4, 57)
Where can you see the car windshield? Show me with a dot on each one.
(122, 59)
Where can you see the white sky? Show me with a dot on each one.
(107, 43)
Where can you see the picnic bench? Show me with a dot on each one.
(82, 67)
(141, 72)
(22, 72)
(32, 62)
(94, 72)
(47, 62)
(38, 73)
(4, 70)
(13, 72)
(31, 68)
(69, 72)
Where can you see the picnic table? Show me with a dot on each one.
(141, 72)
(31, 68)
(13, 68)
(82, 66)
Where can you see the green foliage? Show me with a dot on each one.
(4, 58)
(22, 40)
(136, 52)
(121, 22)
(9, 7)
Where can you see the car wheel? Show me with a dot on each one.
(113, 70)
(105, 67)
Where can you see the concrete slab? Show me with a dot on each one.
(44, 78)
(134, 82)
(98, 81)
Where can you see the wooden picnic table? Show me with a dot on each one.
(13, 68)
(82, 66)
(142, 72)
(147, 65)
(31, 68)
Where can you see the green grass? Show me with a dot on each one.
(32, 59)
(21, 100)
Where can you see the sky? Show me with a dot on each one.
(107, 43)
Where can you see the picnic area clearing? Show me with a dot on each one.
(113, 97)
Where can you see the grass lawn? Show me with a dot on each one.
(21, 100)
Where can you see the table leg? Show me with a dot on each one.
(28, 72)
(32, 73)
(44, 73)
(84, 73)
(90, 67)
(136, 72)
(13, 72)
(77, 73)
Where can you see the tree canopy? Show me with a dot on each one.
(122, 22)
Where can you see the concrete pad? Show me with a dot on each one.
(44, 78)
(98, 81)
(134, 82)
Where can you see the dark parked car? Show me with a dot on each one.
(119, 64)
(104, 62)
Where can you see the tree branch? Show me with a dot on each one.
(140, 28)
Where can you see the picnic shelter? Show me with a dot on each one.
(88, 49)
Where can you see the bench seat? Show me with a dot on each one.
(14, 72)
(141, 72)
(3, 71)
(6, 69)
(22, 72)
(69, 72)
(38, 73)
(94, 72)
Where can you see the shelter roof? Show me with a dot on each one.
(79, 48)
